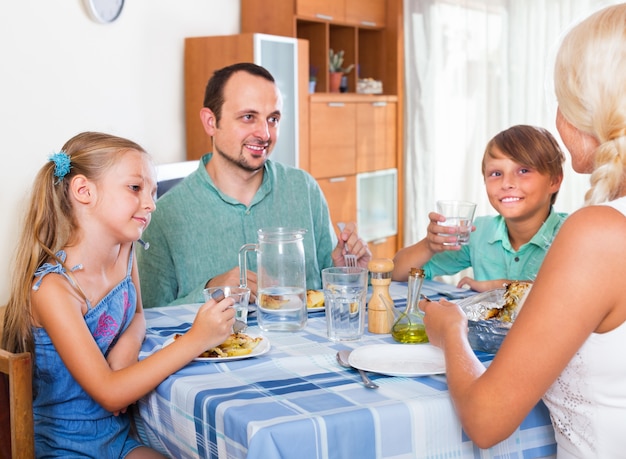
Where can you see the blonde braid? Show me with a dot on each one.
(609, 172)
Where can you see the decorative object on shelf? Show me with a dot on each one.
(334, 81)
(336, 71)
(343, 86)
(312, 78)
(369, 86)
(104, 11)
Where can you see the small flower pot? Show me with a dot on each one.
(334, 81)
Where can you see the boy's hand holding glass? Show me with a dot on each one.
(458, 215)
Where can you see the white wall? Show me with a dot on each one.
(61, 73)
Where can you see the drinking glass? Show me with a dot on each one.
(241, 296)
(460, 215)
(345, 290)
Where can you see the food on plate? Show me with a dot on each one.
(236, 345)
(272, 301)
(314, 299)
(514, 296)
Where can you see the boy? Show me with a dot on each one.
(523, 170)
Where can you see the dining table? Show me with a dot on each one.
(294, 400)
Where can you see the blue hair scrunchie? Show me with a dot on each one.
(62, 165)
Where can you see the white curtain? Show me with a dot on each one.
(474, 68)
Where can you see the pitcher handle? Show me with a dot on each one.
(243, 263)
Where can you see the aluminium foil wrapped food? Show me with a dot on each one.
(490, 315)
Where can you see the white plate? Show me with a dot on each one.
(281, 310)
(262, 348)
(399, 359)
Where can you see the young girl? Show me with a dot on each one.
(75, 300)
(523, 170)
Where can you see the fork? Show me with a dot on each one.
(348, 258)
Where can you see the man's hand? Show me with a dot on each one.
(232, 278)
(350, 242)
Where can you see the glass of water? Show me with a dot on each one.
(460, 215)
(240, 294)
(345, 291)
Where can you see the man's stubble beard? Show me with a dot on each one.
(240, 162)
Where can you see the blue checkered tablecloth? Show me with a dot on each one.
(297, 402)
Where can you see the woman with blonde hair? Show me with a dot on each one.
(567, 344)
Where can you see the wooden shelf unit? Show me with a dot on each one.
(348, 133)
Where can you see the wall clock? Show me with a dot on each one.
(104, 11)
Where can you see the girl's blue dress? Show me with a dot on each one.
(68, 422)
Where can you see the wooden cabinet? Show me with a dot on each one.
(352, 133)
(333, 153)
(384, 248)
(376, 129)
(358, 27)
(353, 157)
(365, 12)
(349, 134)
(327, 10)
(340, 192)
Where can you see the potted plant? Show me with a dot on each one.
(336, 69)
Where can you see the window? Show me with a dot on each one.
(474, 68)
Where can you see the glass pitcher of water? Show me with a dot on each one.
(281, 278)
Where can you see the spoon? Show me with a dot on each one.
(342, 358)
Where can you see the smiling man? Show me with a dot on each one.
(199, 225)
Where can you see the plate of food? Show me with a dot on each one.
(288, 303)
(408, 360)
(315, 301)
(280, 301)
(490, 314)
(236, 347)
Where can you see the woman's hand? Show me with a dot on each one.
(443, 319)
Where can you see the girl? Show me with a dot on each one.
(523, 170)
(567, 343)
(75, 300)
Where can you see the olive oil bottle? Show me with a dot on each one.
(409, 327)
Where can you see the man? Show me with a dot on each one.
(199, 226)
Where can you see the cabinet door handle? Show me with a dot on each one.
(379, 241)
(368, 23)
(379, 104)
(336, 104)
(337, 179)
(325, 17)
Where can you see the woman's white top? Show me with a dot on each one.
(587, 402)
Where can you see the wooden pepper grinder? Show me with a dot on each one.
(379, 319)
